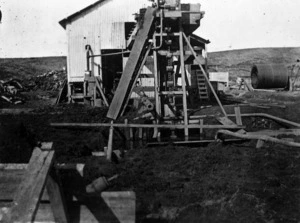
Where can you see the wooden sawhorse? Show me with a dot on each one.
(22, 187)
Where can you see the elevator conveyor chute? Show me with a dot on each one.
(131, 69)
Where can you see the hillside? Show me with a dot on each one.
(239, 62)
(236, 62)
(26, 67)
(252, 56)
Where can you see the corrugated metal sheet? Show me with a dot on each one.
(76, 57)
(117, 36)
(102, 27)
(77, 54)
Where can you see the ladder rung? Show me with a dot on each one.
(77, 97)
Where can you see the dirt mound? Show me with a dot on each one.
(233, 183)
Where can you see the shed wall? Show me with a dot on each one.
(102, 27)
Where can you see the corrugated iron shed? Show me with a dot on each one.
(100, 25)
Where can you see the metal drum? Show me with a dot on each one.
(266, 76)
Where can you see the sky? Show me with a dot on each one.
(30, 28)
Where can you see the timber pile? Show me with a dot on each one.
(50, 81)
(11, 90)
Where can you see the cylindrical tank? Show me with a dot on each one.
(265, 76)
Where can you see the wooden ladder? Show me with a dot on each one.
(202, 87)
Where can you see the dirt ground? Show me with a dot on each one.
(213, 183)
(233, 182)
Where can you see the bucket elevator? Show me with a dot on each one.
(164, 32)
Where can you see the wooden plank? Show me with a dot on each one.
(258, 137)
(122, 204)
(13, 166)
(56, 199)
(62, 92)
(274, 118)
(30, 190)
(171, 93)
(136, 77)
(16, 111)
(110, 142)
(10, 181)
(132, 67)
(109, 207)
(166, 126)
(198, 142)
(295, 132)
(225, 121)
(238, 117)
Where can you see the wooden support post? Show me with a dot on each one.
(69, 92)
(158, 137)
(155, 131)
(131, 133)
(201, 129)
(110, 142)
(95, 93)
(130, 138)
(260, 143)
(127, 135)
(101, 92)
(205, 75)
(146, 134)
(186, 131)
(140, 133)
(238, 117)
(84, 90)
(156, 83)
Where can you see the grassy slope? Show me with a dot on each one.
(252, 56)
(26, 67)
(237, 62)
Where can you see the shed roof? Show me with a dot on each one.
(64, 22)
